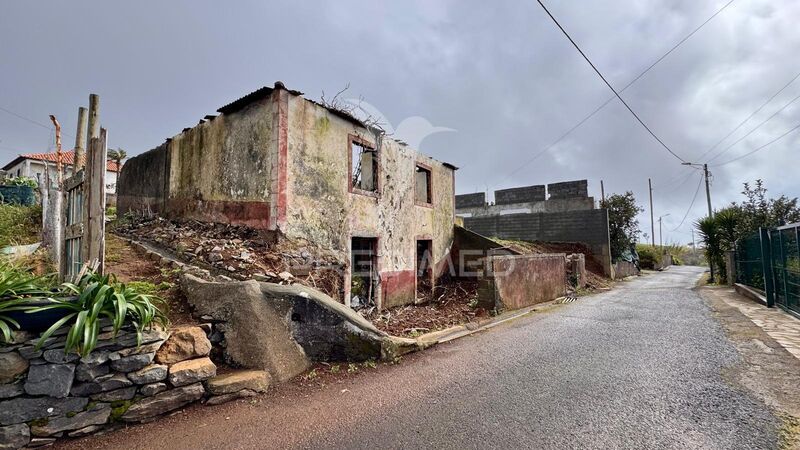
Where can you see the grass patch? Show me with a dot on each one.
(20, 225)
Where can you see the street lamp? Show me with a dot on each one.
(660, 240)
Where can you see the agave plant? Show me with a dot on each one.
(100, 297)
(17, 287)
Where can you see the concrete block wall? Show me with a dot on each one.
(568, 189)
(520, 195)
(477, 199)
(587, 226)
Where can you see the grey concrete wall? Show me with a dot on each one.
(142, 184)
(553, 205)
(589, 227)
(568, 189)
(470, 200)
(523, 280)
(519, 195)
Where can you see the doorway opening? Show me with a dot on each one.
(363, 272)
(424, 270)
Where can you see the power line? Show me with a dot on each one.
(700, 183)
(754, 129)
(574, 44)
(748, 117)
(25, 118)
(35, 122)
(630, 83)
(680, 179)
(761, 147)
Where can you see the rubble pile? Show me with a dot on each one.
(455, 303)
(241, 253)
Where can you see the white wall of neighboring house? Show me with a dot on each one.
(35, 169)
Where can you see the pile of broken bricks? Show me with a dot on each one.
(46, 394)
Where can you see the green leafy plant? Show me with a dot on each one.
(21, 181)
(100, 297)
(17, 287)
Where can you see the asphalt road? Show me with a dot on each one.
(641, 366)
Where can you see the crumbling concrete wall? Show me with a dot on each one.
(221, 170)
(321, 207)
(623, 269)
(524, 280)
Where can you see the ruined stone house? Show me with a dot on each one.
(274, 160)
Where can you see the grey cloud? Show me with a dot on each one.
(497, 72)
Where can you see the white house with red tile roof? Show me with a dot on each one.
(33, 165)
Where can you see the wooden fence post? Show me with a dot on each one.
(96, 205)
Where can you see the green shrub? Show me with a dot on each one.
(21, 181)
(99, 297)
(648, 256)
(20, 225)
(17, 287)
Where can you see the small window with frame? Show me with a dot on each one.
(423, 194)
(363, 167)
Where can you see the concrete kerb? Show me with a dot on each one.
(459, 331)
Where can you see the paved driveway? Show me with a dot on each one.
(637, 367)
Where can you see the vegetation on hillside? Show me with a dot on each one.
(623, 227)
(20, 225)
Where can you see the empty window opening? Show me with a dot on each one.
(364, 163)
(363, 272)
(422, 190)
(424, 269)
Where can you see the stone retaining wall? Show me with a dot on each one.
(47, 394)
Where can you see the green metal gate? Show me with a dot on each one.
(769, 261)
(785, 266)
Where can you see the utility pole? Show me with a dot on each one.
(652, 222)
(708, 191)
(660, 239)
(710, 210)
(602, 193)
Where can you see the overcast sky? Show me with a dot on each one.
(498, 73)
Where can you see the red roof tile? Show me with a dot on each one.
(66, 158)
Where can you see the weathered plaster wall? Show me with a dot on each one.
(321, 208)
(222, 170)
